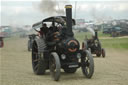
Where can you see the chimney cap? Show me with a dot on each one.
(68, 6)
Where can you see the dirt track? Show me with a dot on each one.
(16, 69)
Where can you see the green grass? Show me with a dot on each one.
(117, 43)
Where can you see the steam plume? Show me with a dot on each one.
(50, 7)
(84, 26)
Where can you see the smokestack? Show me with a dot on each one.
(69, 20)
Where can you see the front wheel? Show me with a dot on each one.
(103, 52)
(98, 54)
(54, 65)
(87, 64)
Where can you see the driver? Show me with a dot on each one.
(44, 29)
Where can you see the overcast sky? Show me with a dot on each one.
(23, 12)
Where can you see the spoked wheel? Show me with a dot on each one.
(87, 64)
(103, 52)
(38, 62)
(54, 65)
(71, 70)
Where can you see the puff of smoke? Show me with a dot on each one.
(50, 7)
(84, 26)
(91, 30)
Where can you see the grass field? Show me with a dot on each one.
(117, 43)
(16, 66)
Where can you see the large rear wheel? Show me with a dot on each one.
(54, 65)
(38, 62)
(87, 64)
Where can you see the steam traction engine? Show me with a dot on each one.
(94, 45)
(59, 49)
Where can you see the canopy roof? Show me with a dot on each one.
(58, 19)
